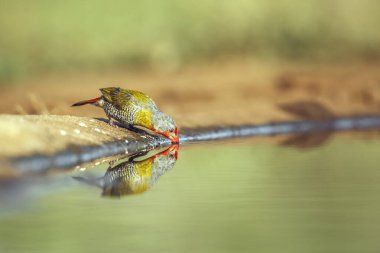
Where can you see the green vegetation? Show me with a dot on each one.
(49, 35)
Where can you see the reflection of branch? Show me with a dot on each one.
(306, 140)
(80, 155)
(310, 111)
(93, 181)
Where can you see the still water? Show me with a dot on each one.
(251, 197)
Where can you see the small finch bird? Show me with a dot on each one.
(132, 176)
(134, 108)
(137, 176)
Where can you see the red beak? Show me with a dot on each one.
(84, 102)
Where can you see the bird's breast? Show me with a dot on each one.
(144, 118)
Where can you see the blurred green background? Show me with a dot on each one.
(41, 36)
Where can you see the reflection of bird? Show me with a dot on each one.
(132, 176)
(134, 108)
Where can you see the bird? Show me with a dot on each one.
(134, 108)
(133, 176)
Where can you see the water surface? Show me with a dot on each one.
(218, 198)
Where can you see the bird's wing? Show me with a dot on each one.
(124, 99)
(117, 96)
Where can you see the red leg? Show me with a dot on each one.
(174, 147)
(174, 139)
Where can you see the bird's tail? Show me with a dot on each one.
(84, 102)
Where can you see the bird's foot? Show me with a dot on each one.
(174, 138)
(172, 149)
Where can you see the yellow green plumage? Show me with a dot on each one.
(131, 107)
